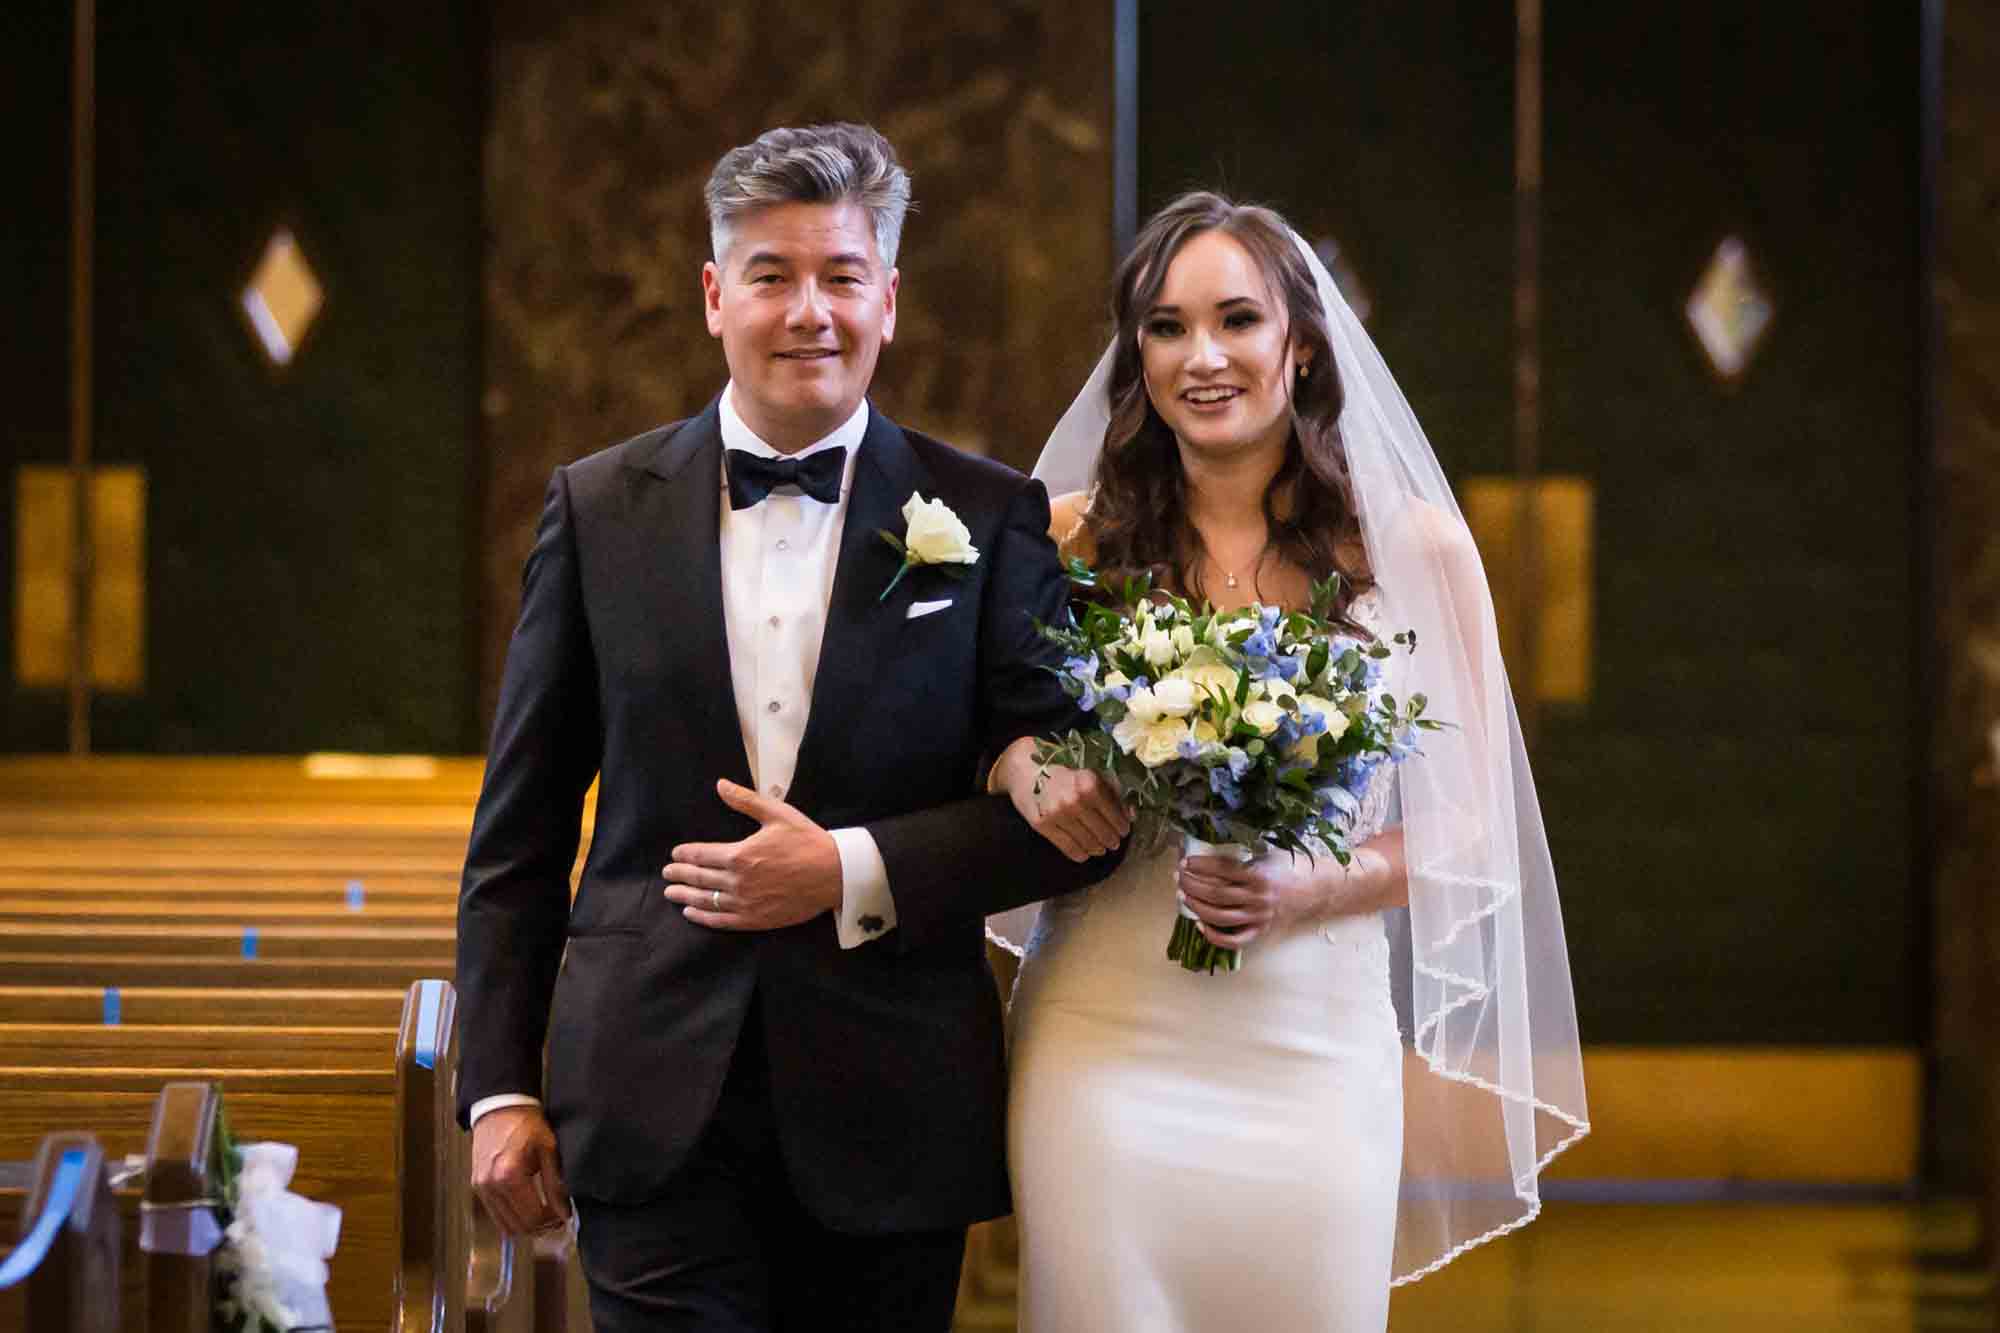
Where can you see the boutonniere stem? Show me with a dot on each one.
(933, 535)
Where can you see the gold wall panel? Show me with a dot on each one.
(44, 522)
(1564, 529)
(118, 579)
(1805, 1114)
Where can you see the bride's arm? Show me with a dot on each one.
(1234, 903)
(1374, 880)
(1078, 812)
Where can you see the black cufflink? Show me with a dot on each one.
(872, 924)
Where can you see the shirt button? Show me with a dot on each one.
(775, 622)
(771, 707)
(784, 545)
(777, 792)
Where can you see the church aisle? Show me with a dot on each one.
(1671, 1268)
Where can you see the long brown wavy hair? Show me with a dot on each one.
(1138, 517)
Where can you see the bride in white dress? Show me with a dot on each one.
(1380, 1085)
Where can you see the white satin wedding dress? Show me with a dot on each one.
(1195, 1153)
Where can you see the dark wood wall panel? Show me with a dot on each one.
(35, 45)
(308, 530)
(1732, 809)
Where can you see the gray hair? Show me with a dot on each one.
(820, 164)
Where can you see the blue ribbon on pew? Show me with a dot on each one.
(357, 897)
(249, 941)
(28, 1255)
(114, 1008)
(430, 998)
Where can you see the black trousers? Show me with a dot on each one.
(729, 1248)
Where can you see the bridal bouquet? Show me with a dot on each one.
(1245, 731)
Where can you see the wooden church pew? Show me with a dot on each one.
(378, 1139)
(123, 970)
(327, 913)
(247, 940)
(71, 1281)
(153, 1006)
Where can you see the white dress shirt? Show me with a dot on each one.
(778, 559)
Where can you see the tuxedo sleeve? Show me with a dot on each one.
(959, 862)
(513, 906)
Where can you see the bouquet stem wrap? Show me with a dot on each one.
(1189, 947)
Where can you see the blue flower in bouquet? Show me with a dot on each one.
(1354, 772)
(1225, 786)
(1263, 641)
(1293, 728)
(1267, 668)
(1335, 802)
(1123, 692)
(1083, 670)
(1239, 762)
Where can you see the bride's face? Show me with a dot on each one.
(1216, 352)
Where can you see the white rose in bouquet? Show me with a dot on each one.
(1143, 707)
(1161, 742)
(1176, 697)
(1152, 742)
(1209, 673)
(1263, 714)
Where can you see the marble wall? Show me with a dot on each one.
(1966, 742)
(604, 121)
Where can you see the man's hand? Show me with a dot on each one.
(786, 872)
(514, 1170)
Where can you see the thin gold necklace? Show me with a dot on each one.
(1229, 575)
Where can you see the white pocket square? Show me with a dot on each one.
(925, 608)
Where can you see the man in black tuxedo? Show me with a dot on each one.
(774, 1065)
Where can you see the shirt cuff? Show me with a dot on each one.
(497, 1102)
(867, 911)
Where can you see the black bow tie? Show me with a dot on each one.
(752, 476)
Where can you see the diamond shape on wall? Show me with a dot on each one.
(1730, 310)
(283, 297)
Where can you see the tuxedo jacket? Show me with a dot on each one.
(886, 1061)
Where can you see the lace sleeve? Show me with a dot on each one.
(1381, 805)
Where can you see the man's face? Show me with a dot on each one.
(803, 305)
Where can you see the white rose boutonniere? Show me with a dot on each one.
(933, 535)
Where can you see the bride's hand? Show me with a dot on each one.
(1079, 812)
(1235, 901)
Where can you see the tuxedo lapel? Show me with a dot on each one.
(858, 619)
(679, 505)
